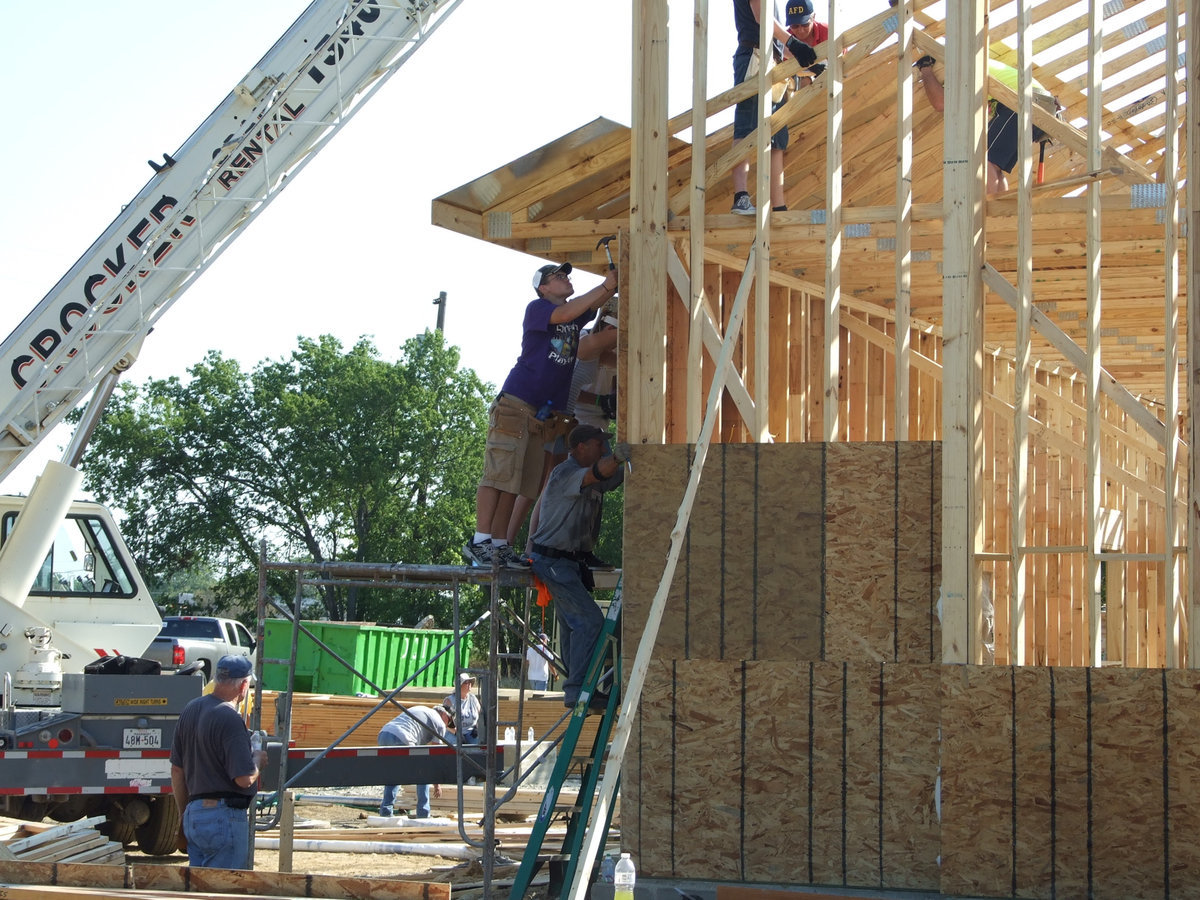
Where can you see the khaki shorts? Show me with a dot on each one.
(513, 459)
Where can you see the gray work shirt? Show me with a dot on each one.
(570, 510)
(417, 725)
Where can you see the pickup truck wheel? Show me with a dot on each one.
(157, 836)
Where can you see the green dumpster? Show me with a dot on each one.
(387, 656)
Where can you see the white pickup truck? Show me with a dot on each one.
(200, 641)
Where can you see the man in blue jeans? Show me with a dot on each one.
(214, 772)
(571, 505)
(416, 726)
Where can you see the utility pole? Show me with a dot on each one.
(440, 302)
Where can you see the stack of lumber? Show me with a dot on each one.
(138, 882)
(75, 842)
(320, 719)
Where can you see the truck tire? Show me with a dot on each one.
(157, 836)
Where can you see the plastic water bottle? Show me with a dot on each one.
(510, 735)
(624, 876)
(256, 741)
(530, 738)
(607, 869)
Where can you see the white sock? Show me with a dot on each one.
(481, 538)
(499, 542)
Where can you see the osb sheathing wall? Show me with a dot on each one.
(795, 727)
(1056, 590)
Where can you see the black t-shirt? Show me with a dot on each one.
(212, 746)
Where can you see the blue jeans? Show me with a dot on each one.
(578, 614)
(387, 739)
(537, 684)
(218, 837)
(745, 114)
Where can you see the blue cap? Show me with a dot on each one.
(234, 668)
(799, 12)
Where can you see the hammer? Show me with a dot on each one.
(604, 242)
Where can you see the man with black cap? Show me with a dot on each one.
(571, 503)
(534, 391)
(214, 772)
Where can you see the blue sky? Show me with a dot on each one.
(98, 88)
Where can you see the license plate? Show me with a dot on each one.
(143, 739)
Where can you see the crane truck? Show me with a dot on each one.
(85, 724)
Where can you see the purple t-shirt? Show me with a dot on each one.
(542, 373)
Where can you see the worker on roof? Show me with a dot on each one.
(745, 114)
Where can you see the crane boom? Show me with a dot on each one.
(335, 56)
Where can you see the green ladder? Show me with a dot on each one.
(607, 646)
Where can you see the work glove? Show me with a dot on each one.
(816, 69)
(803, 54)
(622, 452)
(924, 62)
(607, 404)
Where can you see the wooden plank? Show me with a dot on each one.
(149, 881)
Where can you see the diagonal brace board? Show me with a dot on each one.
(632, 694)
(1078, 358)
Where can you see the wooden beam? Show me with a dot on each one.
(1171, 358)
(1192, 527)
(1093, 369)
(699, 302)
(962, 306)
(645, 284)
(1077, 357)
(833, 238)
(904, 219)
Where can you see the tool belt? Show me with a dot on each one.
(585, 572)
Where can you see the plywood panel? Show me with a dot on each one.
(1034, 817)
(706, 564)
(742, 531)
(860, 551)
(652, 496)
(1071, 829)
(777, 836)
(710, 750)
(647, 778)
(918, 545)
(863, 729)
(976, 800)
(1127, 753)
(1182, 859)
(787, 599)
(828, 857)
(910, 761)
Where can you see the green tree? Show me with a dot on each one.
(330, 455)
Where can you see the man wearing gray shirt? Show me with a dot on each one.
(571, 505)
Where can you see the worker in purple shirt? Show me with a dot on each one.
(535, 389)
